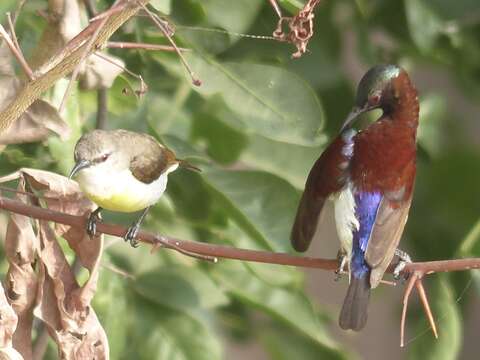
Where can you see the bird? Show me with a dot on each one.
(123, 171)
(368, 176)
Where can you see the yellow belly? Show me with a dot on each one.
(120, 190)
(119, 202)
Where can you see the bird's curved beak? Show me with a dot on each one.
(82, 164)
(354, 114)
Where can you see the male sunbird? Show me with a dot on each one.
(369, 176)
(123, 171)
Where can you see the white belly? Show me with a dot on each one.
(345, 219)
(121, 191)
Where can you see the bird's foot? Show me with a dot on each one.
(403, 260)
(92, 222)
(131, 234)
(342, 259)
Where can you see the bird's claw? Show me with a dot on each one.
(403, 260)
(92, 222)
(341, 268)
(131, 234)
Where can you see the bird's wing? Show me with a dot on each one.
(150, 159)
(385, 236)
(326, 177)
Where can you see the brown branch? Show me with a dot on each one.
(222, 251)
(142, 46)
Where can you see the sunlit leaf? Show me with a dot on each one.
(180, 287)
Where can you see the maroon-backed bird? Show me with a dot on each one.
(369, 177)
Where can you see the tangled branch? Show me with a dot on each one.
(223, 251)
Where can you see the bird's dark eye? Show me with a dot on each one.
(104, 157)
(374, 99)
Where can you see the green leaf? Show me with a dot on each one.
(431, 127)
(165, 334)
(180, 287)
(286, 305)
(267, 100)
(261, 203)
(236, 16)
(224, 144)
(471, 243)
(275, 275)
(113, 315)
(283, 344)
(164, 6)
(288, 161)
(423, 345)
(423, 23)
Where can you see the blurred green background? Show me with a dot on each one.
(255, 128)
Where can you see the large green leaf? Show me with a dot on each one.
(235, 17)
(114, 315)
(283, 344)
(180, 287)
(262, 203)
(165, 334)
(289, 161)
(287, 305)
(267, 100)
(471, 243)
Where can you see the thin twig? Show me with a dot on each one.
(19, 8)
(11, 27)
(17, 53)
(276, 8)
(195, 80)
(426, 306)
(142, 46)
(406, 296)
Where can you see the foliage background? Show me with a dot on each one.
(255, 128)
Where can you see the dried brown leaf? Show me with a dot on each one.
(38, 122)
(63, 25)
(58, 300)
(8, 324)
(64, 195)
(21, 281)
(65, 306)
(101, 72)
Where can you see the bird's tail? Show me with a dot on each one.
(186, 165)
(354, 310)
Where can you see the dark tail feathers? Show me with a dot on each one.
(354, 310)
(186, 165)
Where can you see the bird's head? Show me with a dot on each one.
(376, 90)
(100, 149)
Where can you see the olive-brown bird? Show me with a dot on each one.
(123, 171)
